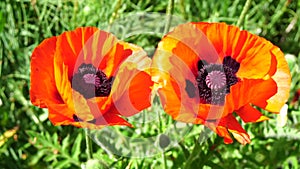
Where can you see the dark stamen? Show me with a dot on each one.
(91, 82)
(214, 80)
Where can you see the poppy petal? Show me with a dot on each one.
(112, 118)
(181, 42)
(250, 114)
(258, 91)
(168, 94)
(282, 77)
(173, 103)
(195, 40)
(221, 131)
(211, 112)
(175, 83)
(75, 101)
(251, 51)
(137, 96)
(131, 89)
(236, 129)
(134, 61)
(70, 45)
(58, 118)
(229, 123)
(84, 45)
(119, 53)
(99, 105)
(42, 85)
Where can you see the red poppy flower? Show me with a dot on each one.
(89, 78)
(208, 71)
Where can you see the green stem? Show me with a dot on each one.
(169, 16)
(88, 144)
(243, 14)
(164, 160)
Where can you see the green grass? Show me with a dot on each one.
(38, 144)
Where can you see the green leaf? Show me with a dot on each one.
(2, 21)
(37, 157)
(65, 143)
(50, 157)
(55, 139)
(76, 146)
(62, 164)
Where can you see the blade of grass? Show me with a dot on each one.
(243, 14)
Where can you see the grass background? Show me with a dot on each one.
(29, 140)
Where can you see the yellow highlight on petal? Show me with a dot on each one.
(241, 137)
(262, 118)
(282, 116)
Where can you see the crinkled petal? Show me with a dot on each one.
(282, 77)
(235, 129)
(251, 51)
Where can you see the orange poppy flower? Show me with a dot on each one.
(208, 71)
(89, 78)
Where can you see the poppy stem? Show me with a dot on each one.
(169, 16)
(88, 145)
(164, 160)
(243, 14)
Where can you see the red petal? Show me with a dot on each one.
(250, 114)
(42, 85)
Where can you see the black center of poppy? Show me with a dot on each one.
(91, 82)
(214, 80)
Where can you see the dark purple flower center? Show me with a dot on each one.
(214, 81)
(91, 82)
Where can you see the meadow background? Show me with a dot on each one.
(29, 140)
